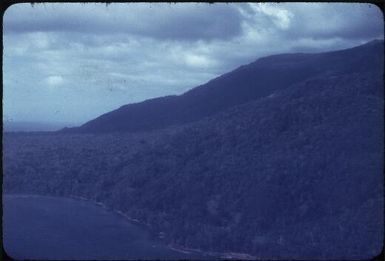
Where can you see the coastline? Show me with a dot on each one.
(173, 247)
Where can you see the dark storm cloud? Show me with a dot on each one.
(169, 21)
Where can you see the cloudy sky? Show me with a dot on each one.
(73, 62)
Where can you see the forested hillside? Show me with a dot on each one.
(295, 174)
(247, 83)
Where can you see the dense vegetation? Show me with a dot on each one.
(296, 174)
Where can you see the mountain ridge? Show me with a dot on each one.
(285, 176)
(247, 82)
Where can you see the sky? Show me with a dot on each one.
(71, 62)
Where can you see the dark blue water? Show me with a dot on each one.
(37, 227)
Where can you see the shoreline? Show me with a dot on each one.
(173, 247)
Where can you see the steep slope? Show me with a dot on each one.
(285, 176)
(248, 82)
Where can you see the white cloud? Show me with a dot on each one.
(54, 80)
(279, 16)
(199, 61)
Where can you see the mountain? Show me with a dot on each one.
(296, 174)
(26, 126)
(249, 82)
